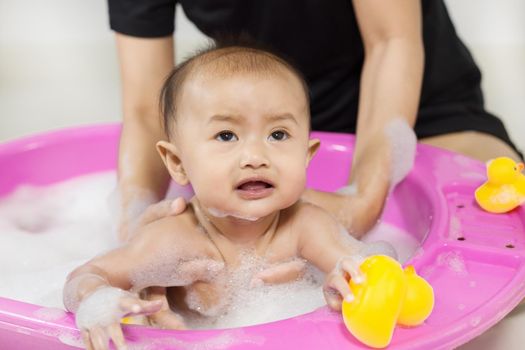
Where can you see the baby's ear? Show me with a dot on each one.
(170, 156)
(313, 146)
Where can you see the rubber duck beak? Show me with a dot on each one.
(520, 166)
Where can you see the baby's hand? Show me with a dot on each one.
(336, 286)
(98, 316)
(165, 317)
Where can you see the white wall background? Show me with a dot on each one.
(58, 64)
(58, 68)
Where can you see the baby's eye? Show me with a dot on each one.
(278, 135)
(226, 136)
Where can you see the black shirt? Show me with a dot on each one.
(322, 39)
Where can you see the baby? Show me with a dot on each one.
(237, 121)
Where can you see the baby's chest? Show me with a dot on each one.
(208, 298)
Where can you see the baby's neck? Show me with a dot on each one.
(240, 231)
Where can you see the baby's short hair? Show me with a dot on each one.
(224, 59)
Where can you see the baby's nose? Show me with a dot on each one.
(254, 156)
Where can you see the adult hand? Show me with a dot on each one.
(164, 318)
(358, 214)
(167, 207)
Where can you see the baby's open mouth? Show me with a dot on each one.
(255, 189)
(254, 185)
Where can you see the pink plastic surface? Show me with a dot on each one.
(473, 259)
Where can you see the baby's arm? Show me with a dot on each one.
(97, 292)
(327, 245)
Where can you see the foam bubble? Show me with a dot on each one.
(224, 340)
(349, 190)
(48, 231)
(50, 314)
(222, 214)
(453, 261)
(164, 272)
(71, 340)
(246, 305)
(404, 244)
(403, 142)
(475, 321)
(101, 308)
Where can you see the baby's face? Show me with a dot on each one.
(243, 142)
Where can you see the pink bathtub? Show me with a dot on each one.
(474, 260)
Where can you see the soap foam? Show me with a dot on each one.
(404, 244)
(101, 308)
(403, 142)
(48, 231)
(222, 214)
(249, 305)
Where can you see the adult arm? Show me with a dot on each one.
(390, 89)
(143, 179)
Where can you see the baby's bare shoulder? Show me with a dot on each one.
(173, 232)
(310, 220)
(308, 213)
(172, 251)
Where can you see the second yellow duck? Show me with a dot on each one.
(504, 189)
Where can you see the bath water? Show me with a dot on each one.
(45, 232)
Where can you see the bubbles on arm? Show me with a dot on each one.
(403, 142)
(101, 308)
(364, 249)
(79, 286)
(169, 270)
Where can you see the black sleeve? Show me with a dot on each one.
(142, 18)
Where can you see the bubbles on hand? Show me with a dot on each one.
(101, 308)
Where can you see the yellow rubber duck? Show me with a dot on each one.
(388, 296)
(504, 189)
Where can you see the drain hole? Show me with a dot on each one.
(461, 238)
(460, 206)
(510, 246)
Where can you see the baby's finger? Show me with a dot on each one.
(86, 340)
(336, 288)
(282, 273)
(168, 320)
(116, 335)
(178, 205)
(135, 306)
(99, 338)
(351, 265)
(149, 307)
(333, 298)
(129, 305)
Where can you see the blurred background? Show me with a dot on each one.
(58, 64)
(58, 68)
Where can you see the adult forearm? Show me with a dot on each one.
(144, 64)
(390, 89)
(143, 179)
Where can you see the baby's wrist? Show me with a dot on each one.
(100, 308)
